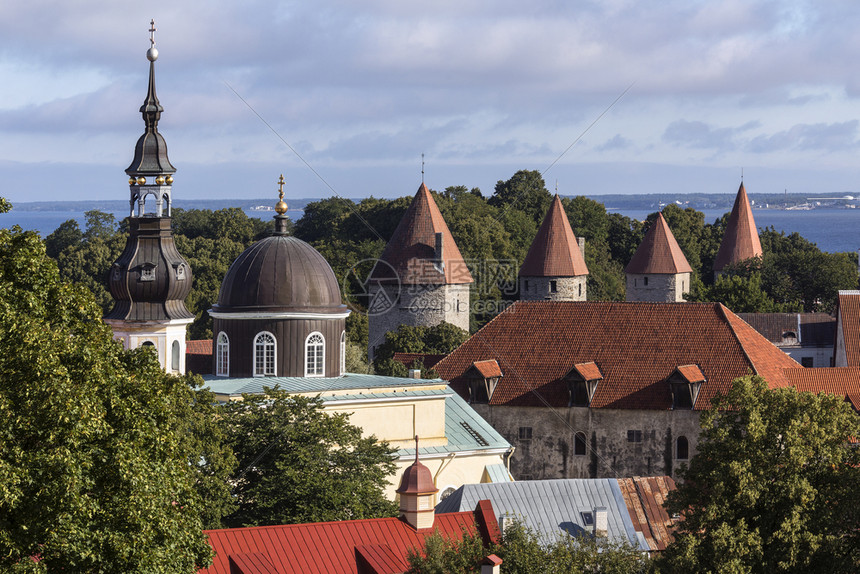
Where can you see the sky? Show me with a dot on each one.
(603, 97)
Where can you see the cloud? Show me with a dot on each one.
(813, 137)
(700, 135)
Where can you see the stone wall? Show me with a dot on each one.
(416, 306)
(657, 287)
(545, 440)
(541, 288)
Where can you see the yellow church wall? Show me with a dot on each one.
(398, 422)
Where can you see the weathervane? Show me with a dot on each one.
(422, 168)
(152, 53)
(281, 183)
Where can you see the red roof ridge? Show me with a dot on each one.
(659, 252)
(741, 241)
(411, 251)
(554, 252)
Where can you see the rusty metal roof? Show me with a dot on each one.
(554, 251)
(659, 252)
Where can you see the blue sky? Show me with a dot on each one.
(362, 89)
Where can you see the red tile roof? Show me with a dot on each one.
(840, 381)
(554, 251)
(849, 316)
(198, 356)
(199, 347)
(741, 240)
(645, 497)
(637, 345)
(338, 547)
(411, 251)
(488, 368)
(691, 373)
(659, 252)
(588, 371)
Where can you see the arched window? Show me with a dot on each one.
(579, 444)
(682, 448)
(174, 356)
(222, 355)
(315, 355)
(342, 352)
(264, 355)
(147, 344)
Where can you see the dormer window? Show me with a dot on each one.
(684, 383)
(116, 273)
(147, 272)
(483, 376)
(582, 383)
(180, 271)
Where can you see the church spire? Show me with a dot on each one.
(741, 241)
(151, 172)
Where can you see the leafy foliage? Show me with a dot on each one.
(298, 463)
(439, 340)
(93, 451)
(772, 488)
(523, 552)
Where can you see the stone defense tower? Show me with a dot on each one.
(658, 271)
(150, 280)
(554, 267)
(279, 311)
(741, 240)
(420, 279)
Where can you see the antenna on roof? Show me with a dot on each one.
(742, 175)
(556, 186)
(422, 168)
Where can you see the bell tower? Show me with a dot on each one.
(150, 280)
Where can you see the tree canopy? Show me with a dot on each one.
(93, 452)
(773, 487)
(438, 340)
(298, 463)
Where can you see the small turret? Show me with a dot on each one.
(417, 493)
(658, 271)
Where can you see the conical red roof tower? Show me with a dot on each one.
(659, 252)
(741, 240)
(554, 251)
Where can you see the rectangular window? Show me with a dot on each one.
(807, 361)
(525, 433)
(634, 436)
(553, 287)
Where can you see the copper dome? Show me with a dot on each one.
(280, 274)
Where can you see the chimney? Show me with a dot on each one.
(601, 521)
(491, 565)
(414, 373)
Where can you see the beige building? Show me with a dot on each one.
(455, 443)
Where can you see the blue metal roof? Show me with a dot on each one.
(254, 385)
(552, 507)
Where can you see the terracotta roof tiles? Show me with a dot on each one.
(691, 373)
(659, 252)
(637, 345)
(411, 251)
(839, 381)
(588, 371)
(488, 369)
(849, 321)
(554, 251)
(741, 241)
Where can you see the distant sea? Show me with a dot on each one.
(831, 229)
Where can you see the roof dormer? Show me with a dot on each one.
(582, 381)
(685, 383)
(483, 376)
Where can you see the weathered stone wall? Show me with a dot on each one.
(657, 287)
(540, 288)
(424, 306)
(549, 453)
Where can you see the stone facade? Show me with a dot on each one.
(658, 287)
(617, 442)
(553, 288)
(415, 306)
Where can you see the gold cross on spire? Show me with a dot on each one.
(281, 183)
(152, 30)
(281, 206)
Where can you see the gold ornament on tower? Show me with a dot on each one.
(281, 206)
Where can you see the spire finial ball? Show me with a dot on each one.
(281, 206)
(152, 53)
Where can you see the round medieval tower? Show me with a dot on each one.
(150, 280)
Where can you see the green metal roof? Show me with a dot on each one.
(255, 385)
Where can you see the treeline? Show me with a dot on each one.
(493, 233)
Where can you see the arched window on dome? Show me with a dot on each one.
(174, 356)
(222, 355)
(315, 355)
(342, 352)
(264, 355)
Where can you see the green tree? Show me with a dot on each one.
(438, 340)
(298, 463)
(93, 453)
(525, 191)
(773, 487)
(741, 294)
